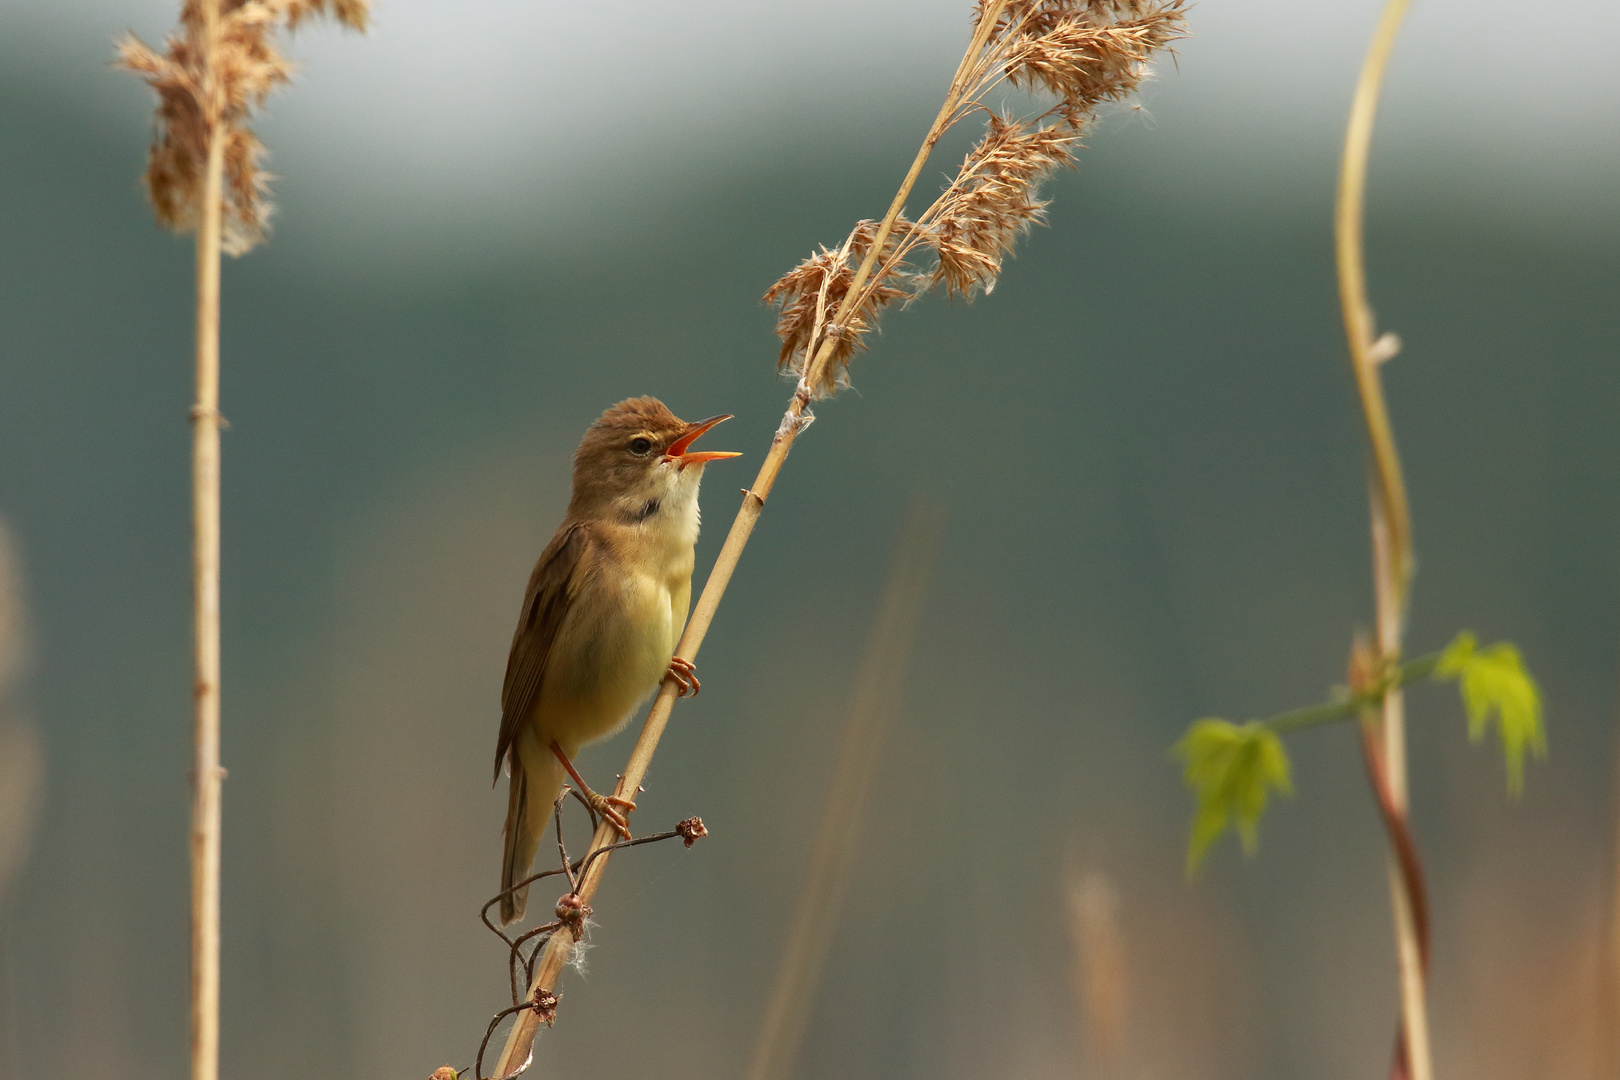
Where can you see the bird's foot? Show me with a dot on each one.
(684, 672)
(608, 806)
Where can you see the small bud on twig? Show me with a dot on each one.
(1367, 670)
(692, 830)
(1385, 348)
(544, 1004)
(572, 913)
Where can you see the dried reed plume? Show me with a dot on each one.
(1087, 52)
(208, 81)
(203, 176)
(1083, 54)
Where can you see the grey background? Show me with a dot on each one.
(497, 219)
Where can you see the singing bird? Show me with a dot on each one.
(605, 608)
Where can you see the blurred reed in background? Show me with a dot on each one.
(22, 774)
(849, 809)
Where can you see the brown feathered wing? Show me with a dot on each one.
(552, 588)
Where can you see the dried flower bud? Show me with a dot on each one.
(572, 910)
(445, 1072)
(692, 830)
(544, 1004)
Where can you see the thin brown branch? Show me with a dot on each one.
(573, 913)
(873, 704)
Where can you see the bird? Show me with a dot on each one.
(603, 613)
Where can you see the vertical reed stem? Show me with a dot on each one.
(1359, 323)
(206, 774)
(1391, 520)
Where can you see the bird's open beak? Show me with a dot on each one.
(678, 453)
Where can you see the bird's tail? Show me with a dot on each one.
(536, 779)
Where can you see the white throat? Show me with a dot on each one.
(666, 507)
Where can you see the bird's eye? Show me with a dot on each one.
(640, 446)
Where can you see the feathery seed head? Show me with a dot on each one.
(993, 203)
(1083, 53)
(812, 292)
(208, 80)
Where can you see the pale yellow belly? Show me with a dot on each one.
(602, 667)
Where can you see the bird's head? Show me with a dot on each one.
(637, 459)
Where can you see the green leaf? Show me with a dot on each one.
(1233, 769)
(1494, 681)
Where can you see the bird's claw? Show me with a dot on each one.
(608, 806)
(684, 672)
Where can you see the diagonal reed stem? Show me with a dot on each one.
(520, 1042)
(873, 703)
(1392, 550)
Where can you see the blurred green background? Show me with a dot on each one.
(497, 220)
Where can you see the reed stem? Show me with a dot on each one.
(206, 775)
(1359, 323)
(1391, 533)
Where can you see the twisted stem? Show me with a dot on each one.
(1392, 550)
